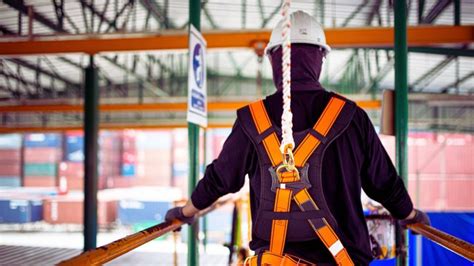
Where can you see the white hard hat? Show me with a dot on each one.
(304, 29)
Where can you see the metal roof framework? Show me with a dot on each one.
(442, 69)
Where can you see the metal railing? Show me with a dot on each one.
(445, 240)
(121, 246)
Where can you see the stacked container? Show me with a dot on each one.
(68, 209)
(42, 153)
(153, 159)
(110, 156)
(72, 168)
(129, 153)
(180, 159)
(10, 160)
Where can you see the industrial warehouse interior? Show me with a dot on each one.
(112, 110)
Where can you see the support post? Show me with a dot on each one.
(204, 218)
(91, 130)
(457, 12)
(193, 137)
(401, 107)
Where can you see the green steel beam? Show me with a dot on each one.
(159, 13)
(457, 12)
(421, 10)
(193, 142)
(91, 149)
(401, 107)
(432, 73)
(434, 50)
(458, 82)
(354, 13)
(436, 10)
(267, 19)
(381, 74)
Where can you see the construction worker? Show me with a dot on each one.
(337, 153)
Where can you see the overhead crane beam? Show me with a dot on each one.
(147, 107)
(178, 40)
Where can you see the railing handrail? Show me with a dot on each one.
(121, 246)
(445, 240)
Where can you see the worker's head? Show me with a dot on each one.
(308, 48)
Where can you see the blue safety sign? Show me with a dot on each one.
(197, 90)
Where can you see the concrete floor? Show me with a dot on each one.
(49, 248)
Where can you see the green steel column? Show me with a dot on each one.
(204, 219)
(91, 129)
(401, 104)
(193, 136)
(457, 12)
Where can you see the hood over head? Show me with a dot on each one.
(306, 64)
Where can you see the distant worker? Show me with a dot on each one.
(313, 215)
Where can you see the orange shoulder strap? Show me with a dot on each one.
(322, 127)
(262, 123)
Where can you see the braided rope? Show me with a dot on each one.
(287, 116)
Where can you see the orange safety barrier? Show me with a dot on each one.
(103, 254)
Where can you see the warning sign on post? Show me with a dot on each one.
(197, 90)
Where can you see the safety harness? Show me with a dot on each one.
(290, 184)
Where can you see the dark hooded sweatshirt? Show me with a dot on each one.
(353, 161)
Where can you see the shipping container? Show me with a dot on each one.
(40, 169)
(68, 209)
(138, 211)
(10, 181)
(74, 147)
(128, 170)
(9, 155)
(40, 140)
(10, 141)
(40, 181)
(20, 210)
(10, 169)
(42, 155)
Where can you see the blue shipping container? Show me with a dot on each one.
(75, 148)
(10, 181)
(128, 169)
(20, 211)
(137, 211)
(39, 140)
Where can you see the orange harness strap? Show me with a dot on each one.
(283, 196)
(322, 126)
(322, 228)
(262, 122)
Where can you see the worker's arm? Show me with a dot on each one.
(224, 175)
(379, 177)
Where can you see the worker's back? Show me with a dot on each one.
(343, 189)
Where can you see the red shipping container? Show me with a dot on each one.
(68, 209)
(9, 155)
(119, 182)
(459, 154)
(42, 155)
(40, 181)
(78, 183)
(10, 169)
(460, 193)
(71, 169)
(129, 158)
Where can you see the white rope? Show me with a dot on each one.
(287, 116)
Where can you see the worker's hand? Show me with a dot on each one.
(177, 213)
(419, 217)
